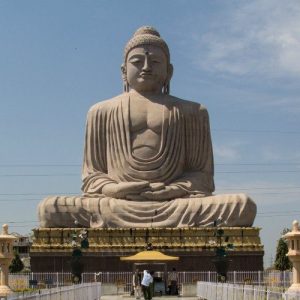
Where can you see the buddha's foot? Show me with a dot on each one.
(64, 211)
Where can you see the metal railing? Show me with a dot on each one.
(85, 291)
(50, 280)
(227, 291)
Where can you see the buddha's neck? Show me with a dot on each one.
(146, 94)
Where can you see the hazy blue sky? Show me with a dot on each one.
(239, 58)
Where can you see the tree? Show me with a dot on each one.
(282, 262)
(16, 264)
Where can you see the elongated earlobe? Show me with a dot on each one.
(125, 87)
(166, 87)
(124, 77)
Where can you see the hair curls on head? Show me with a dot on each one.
(146, 35)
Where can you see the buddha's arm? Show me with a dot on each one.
(196, 183)
(198, 177)
(94, 174)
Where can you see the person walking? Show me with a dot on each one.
(146, 282)
(136, 281)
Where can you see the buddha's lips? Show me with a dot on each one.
(146, 75)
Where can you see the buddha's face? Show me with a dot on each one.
(147, 69)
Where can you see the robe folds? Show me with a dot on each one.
(185, 156)
(184, 159)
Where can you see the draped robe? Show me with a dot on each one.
(184, 159)
(185, 156)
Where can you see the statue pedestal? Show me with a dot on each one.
(51, 250)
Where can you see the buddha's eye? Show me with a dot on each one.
(134, 60)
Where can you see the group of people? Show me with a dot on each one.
(145, 284)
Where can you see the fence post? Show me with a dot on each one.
(234, 277)
(268, 295)
(209, 280)
(98, 291)
(227, 285)
(234, 292)
(91, 291)
(285, 296)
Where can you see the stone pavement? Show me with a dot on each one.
(114, 297)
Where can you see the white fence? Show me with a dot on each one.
(85, 291)
(227, 291)
(241, 285)
(49, 280)
(19, 282)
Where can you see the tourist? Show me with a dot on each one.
(146, 285)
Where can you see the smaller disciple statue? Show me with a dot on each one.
(148, 157)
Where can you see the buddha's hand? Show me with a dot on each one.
(156, 186)
(153, 187)
(122, 189)
(167, 193)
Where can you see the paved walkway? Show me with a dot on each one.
(108, 297)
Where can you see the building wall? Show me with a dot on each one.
(110, 262)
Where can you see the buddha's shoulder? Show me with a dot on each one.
(187, 106)
(107, 104)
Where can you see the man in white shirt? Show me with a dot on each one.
(146, 281)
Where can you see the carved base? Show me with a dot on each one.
(51, 250)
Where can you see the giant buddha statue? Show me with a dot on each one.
(148, 158)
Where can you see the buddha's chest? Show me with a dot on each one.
(147, 115)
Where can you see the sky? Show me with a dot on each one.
(241, 59)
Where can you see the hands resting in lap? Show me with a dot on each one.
(143, 191)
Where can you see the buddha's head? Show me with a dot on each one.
(147, 66)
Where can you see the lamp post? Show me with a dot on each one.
(221, 260)
(6, 256)
(76, 262)
(293, 238)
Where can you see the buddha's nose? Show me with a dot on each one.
(147, 65)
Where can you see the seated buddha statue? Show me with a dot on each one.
(148, 158)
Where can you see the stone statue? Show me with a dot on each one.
(148, 157)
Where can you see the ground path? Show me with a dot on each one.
(108, 297)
